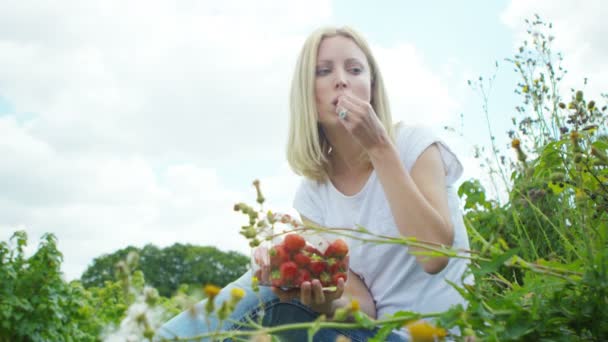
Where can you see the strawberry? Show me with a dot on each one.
(289, 270)
(338, 266)
(337, 249)
(278, 255)
(303, 275)
(294, 242)
(317, 266)
(301, 259)
(335, 277)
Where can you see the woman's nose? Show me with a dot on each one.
(340, 83)
(340, 80)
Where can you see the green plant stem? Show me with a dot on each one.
(307, 325)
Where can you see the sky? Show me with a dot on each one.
(135, 122)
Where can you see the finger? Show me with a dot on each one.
(337, 292)
(349, 106)
(284, 296)
(355, 100)
(317, 289)
(305, 293)
(340, 288)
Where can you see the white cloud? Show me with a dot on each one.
(134, 122)
(418, 94)
(580, 33)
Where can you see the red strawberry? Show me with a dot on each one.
(278, 255)
(337, 249)
(301, 259)
(289, 270)
(338, 266)
(317, 266)
(303, 275)
(294, 242)
(325, 279)
(337, 276)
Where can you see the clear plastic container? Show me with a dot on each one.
(289, 259)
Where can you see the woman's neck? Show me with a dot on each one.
(346, 153)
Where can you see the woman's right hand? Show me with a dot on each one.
(311, 293)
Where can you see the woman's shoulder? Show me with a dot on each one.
(413, 140)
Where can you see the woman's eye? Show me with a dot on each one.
(356, 70)
(322, 72)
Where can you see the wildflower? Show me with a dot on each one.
(574, 135)
(260, 199)
(151, 295)
(237, 293)
(515, 143)
(211, 291)
(525, 89)
(354, 305)
(255, 284)
(591, 105)
(422, 331)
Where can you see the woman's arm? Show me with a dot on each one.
(418, 200)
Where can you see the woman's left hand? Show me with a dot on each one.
(311, 293)
(362, 122)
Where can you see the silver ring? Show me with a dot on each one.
(342, 113)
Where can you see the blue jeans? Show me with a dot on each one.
(264, 306)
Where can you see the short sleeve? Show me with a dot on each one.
(412, 141)
(307, 201)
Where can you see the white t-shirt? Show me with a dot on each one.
(393, 276)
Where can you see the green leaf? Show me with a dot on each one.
(493, 265)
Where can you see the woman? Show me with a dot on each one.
(361, 170)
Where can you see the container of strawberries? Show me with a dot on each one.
(289, 260)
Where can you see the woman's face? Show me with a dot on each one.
(342, 68)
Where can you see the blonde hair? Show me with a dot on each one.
(307, 147)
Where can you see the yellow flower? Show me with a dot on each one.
(211, 290)
(342, 338)
(237, 293)
(354, 305)
(515, 143)
(423, 331)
